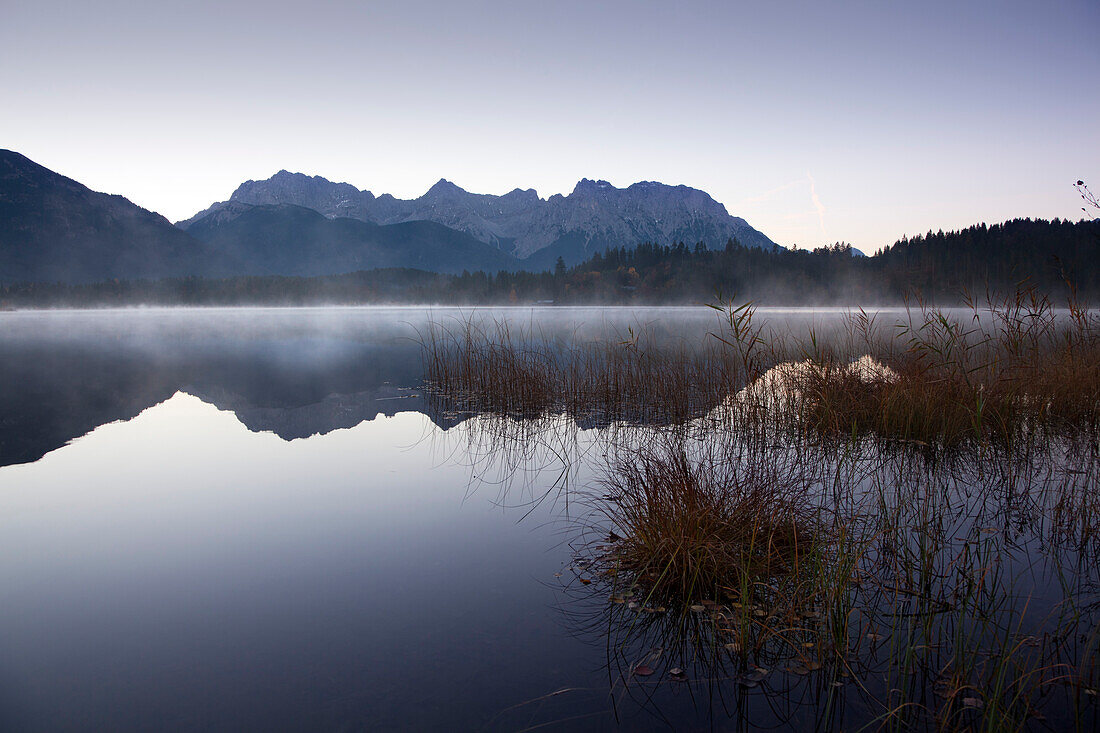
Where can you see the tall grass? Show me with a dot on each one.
(476, 368)
(1014, 369)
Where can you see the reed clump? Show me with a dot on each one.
(705, 526)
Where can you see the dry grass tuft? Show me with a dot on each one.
(698, 527)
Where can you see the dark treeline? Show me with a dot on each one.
(940, 268)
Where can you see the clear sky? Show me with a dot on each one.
(816, 121)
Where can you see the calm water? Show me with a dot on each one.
(245, 519)
(252, 520)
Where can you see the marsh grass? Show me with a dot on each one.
(1009, 371)
(900, 521)
(476, 368)
(1013, 370)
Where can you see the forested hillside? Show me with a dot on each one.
(1054, 257)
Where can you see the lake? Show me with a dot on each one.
(256, 519)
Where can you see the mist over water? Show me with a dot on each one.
(296, 371)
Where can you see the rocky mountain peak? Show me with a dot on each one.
(443, 187)
(313, 192)
(588, 186)
(529, 195)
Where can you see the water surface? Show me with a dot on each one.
(254, 519)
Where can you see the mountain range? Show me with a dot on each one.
(53, 228)
(596, 215)
(68, 387)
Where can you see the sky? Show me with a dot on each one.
(817, 122)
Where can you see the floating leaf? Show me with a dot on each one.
(973, 702)
(585, 581)
(733, 646)
(697, 608)
(798, 669)
(757, 675)
(813, 666)
(677, 674)
(643, 670)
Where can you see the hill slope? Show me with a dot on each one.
(284, 239)
(53, 228)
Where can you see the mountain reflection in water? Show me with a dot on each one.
(294, 372)
(177, 571)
